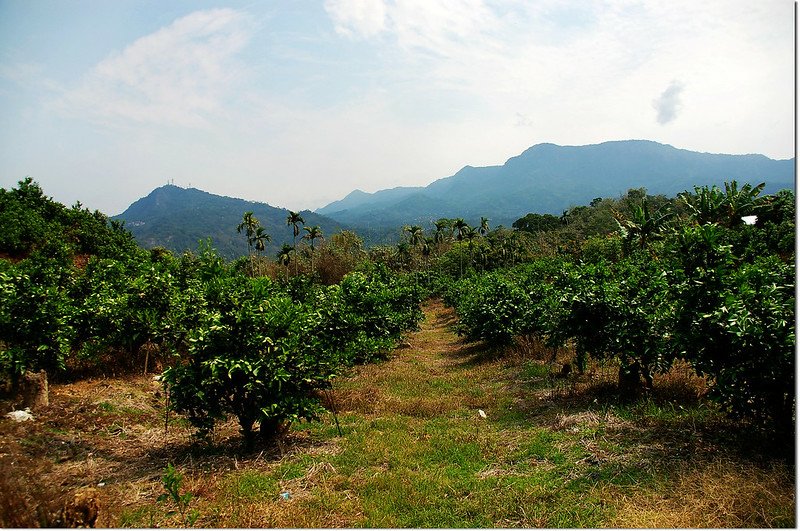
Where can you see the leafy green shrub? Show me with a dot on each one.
(492, 308)
(622, 312)
(249, 358)
(34, 325)
(123, 306)
(385, 304)
(31, 220)
(171, 481)
(735, 323)
(750, 348)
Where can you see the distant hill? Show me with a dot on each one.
(548, 179)
(178, 218)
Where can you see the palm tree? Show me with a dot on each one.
(470, 234)
(295, 219)
(402, 254)
(259, 240)
(416, 238)
(312, 234)
(249, 224)
(484, 228)
(415, 235)
(460, 227)
(425, 249)
(440, 237)
(284, 257)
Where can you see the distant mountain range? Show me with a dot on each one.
(548, 178)
(178, 218)
(545, 178)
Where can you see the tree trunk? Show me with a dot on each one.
(648, 379)
(33, 391)
(269, 428)
(630, 383)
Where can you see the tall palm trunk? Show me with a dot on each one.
(295, 255)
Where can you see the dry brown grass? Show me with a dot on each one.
(720, 493)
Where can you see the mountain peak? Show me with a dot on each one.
(178, 218)
(548, 178)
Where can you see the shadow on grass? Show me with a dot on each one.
(674, 417)
(474, 354)
(670, 422)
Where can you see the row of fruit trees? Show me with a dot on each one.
(688, 280)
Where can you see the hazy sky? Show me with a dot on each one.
(297, 103)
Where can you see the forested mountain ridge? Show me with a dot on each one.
(178, 218)
(544, 179)
(548, 178)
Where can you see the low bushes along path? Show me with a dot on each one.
(414, 451)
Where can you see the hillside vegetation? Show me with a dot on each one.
(179, 218)
(608, 367)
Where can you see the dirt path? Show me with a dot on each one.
(434, 373)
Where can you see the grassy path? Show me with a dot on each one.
(414, 452)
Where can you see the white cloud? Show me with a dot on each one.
(357, 18)
(445, 27)
(585, 72)
(432, 26)
(403, 92)
(668, 103)
(177, 76)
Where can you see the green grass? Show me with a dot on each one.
(252, 486)
(456, 471)
(113, 409)
(140, 517)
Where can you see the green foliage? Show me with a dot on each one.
(245, 346)
(492, 308)
(247, 358)
(31, 221)
(713, 291)
(750, 347)
(260, 355)
(712, 205)
(598, 248)
(642, 226)
(35, 332)
(620, 311)
(537, 223)
(171, 481)
(705, 288)
(23, 224)
(735, 323)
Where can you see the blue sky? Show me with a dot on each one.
(298, 103)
